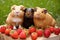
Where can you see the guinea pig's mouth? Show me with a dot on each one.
(27, 15)
(17, 26)
(37, 17)
(16, 13)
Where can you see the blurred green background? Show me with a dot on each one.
(53, 6)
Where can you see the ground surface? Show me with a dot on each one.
(52, 37)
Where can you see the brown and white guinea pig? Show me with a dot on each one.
(28, 17)
(42, 18)
(16, 15)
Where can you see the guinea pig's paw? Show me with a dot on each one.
(14, 28)
(20, 27)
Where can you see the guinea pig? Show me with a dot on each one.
(16, 16)
(42, 19)
(28, 18)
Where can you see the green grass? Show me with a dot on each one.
(53, 6)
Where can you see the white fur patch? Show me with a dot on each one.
(20, 12)
(17, 20)
(14, 27)
(17, 9)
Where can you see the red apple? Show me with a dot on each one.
(32, 29)
(10, 27)
(47, 33)
(2, 29)
(56, 31)
(19, 31)
(7, 31)
(40, 32)
(14, 34)
(34, 36)
(22, 35)
(51, 29)
(59, 29)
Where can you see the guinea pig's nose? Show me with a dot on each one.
(17, 12)
(28, 13)
(38, 14)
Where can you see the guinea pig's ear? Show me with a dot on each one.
(25, 9)
(44, 11)
(35, 9)
(13, 7)
(22, 7)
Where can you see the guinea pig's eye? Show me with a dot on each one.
(32, 10)
(20, 9)
(42, 11)
(45, 11)
(13, 8)
(25, 10)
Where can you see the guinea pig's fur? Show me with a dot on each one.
(28, 18)
(16, 15)
(42, 18)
